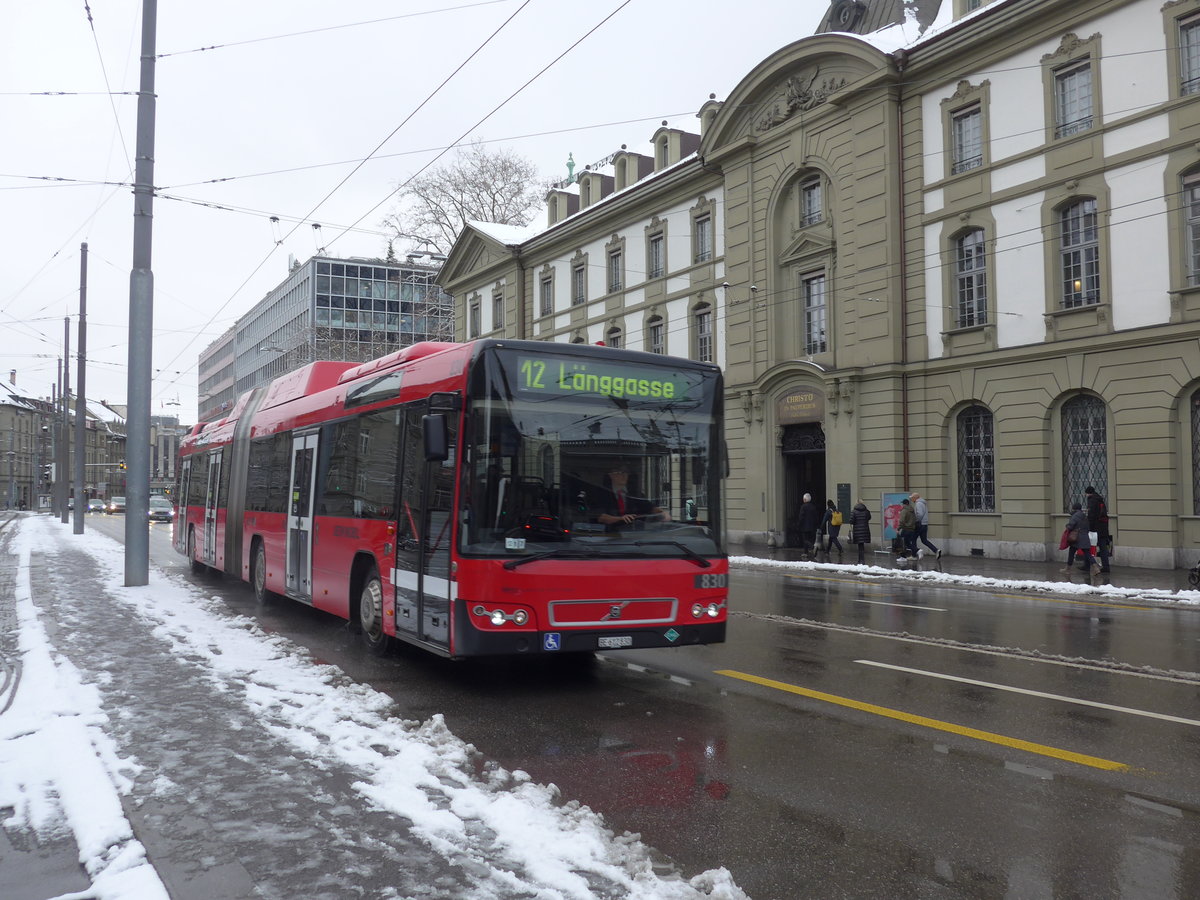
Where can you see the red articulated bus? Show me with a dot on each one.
(467, 498)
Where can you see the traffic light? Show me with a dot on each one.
(48, 473)
(122, 464)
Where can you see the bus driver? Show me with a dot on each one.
(619, 507)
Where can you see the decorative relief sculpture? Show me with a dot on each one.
(798, 94)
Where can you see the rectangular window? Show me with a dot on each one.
(578, 285)
(614, 271)
(655, 336)
(498, 310)
(970, 277)
(546, 298)
(473, 323)
(1189, 55)
(812, 206)
(813, 292)
(704, 336)
(703, 238)
(967, 134)
(1073, 99)
(1080, 250)
(654, 257)
(1191, 211)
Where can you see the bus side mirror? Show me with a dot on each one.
(437, 438)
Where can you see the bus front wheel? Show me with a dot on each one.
(370, 614)
(197, 566)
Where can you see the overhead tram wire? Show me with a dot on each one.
(350, 174)
(494, 110)
(279, 37)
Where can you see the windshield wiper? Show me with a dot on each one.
(557, 551)
(687, 551)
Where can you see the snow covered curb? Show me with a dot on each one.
(509, 835)
(1104, 591)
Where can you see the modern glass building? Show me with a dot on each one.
(338, 309)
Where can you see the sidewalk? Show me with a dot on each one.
(1048, 573)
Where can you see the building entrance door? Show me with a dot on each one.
(803, 472)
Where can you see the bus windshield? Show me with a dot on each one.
(597, 453)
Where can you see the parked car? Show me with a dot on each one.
(96, 505)
(161, 510)
(115, 505)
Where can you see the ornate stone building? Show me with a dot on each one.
(946, 247)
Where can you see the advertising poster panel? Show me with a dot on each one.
(890, 504)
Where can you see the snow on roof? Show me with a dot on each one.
(509, 235)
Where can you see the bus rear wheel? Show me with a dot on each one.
(258, 574)
(370, 614)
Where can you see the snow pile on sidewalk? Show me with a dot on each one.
(950, 579)
(58, 768)
(512, 837)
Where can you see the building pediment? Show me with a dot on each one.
(473, 254)
(807, 244)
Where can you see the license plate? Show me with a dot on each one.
(622, 640)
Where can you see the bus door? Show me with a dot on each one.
(208, 552)
(181, 499)
(300, 517)
(424, 531)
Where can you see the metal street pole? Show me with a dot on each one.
(80, 408)
(141, 321)
(65, 455)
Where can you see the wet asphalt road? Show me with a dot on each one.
(823, 752)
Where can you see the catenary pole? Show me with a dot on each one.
(80, 398)
(141, 321)
(64, 464)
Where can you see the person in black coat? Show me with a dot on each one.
(860, 528)
(1097, 514)
(808, 520)
(828, 526)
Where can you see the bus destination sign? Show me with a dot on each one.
(585, 377)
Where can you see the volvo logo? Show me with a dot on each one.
(614, 612)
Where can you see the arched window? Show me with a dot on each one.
(1084, 448)
(613, 338)
(976, 460)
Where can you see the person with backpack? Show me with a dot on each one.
(831, 524)
(860, 528)
(1097, 515)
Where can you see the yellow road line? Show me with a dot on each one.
(1015, 743)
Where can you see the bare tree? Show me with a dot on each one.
(479, 184)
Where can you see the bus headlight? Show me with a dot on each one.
(520, 617)
(697, 610)
(714, 610)
(498, 617)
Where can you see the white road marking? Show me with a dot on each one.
(1016, 690)
(901, 605)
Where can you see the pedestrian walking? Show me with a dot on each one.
(908, 529)
(831, 524)
(1077, 540)
(1097, 514)
(807, 522)
(921, 508)
(860, 528)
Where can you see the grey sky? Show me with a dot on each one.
(287, 119)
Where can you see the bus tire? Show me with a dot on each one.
(197, 566)
(258, 573)
(370, 613)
